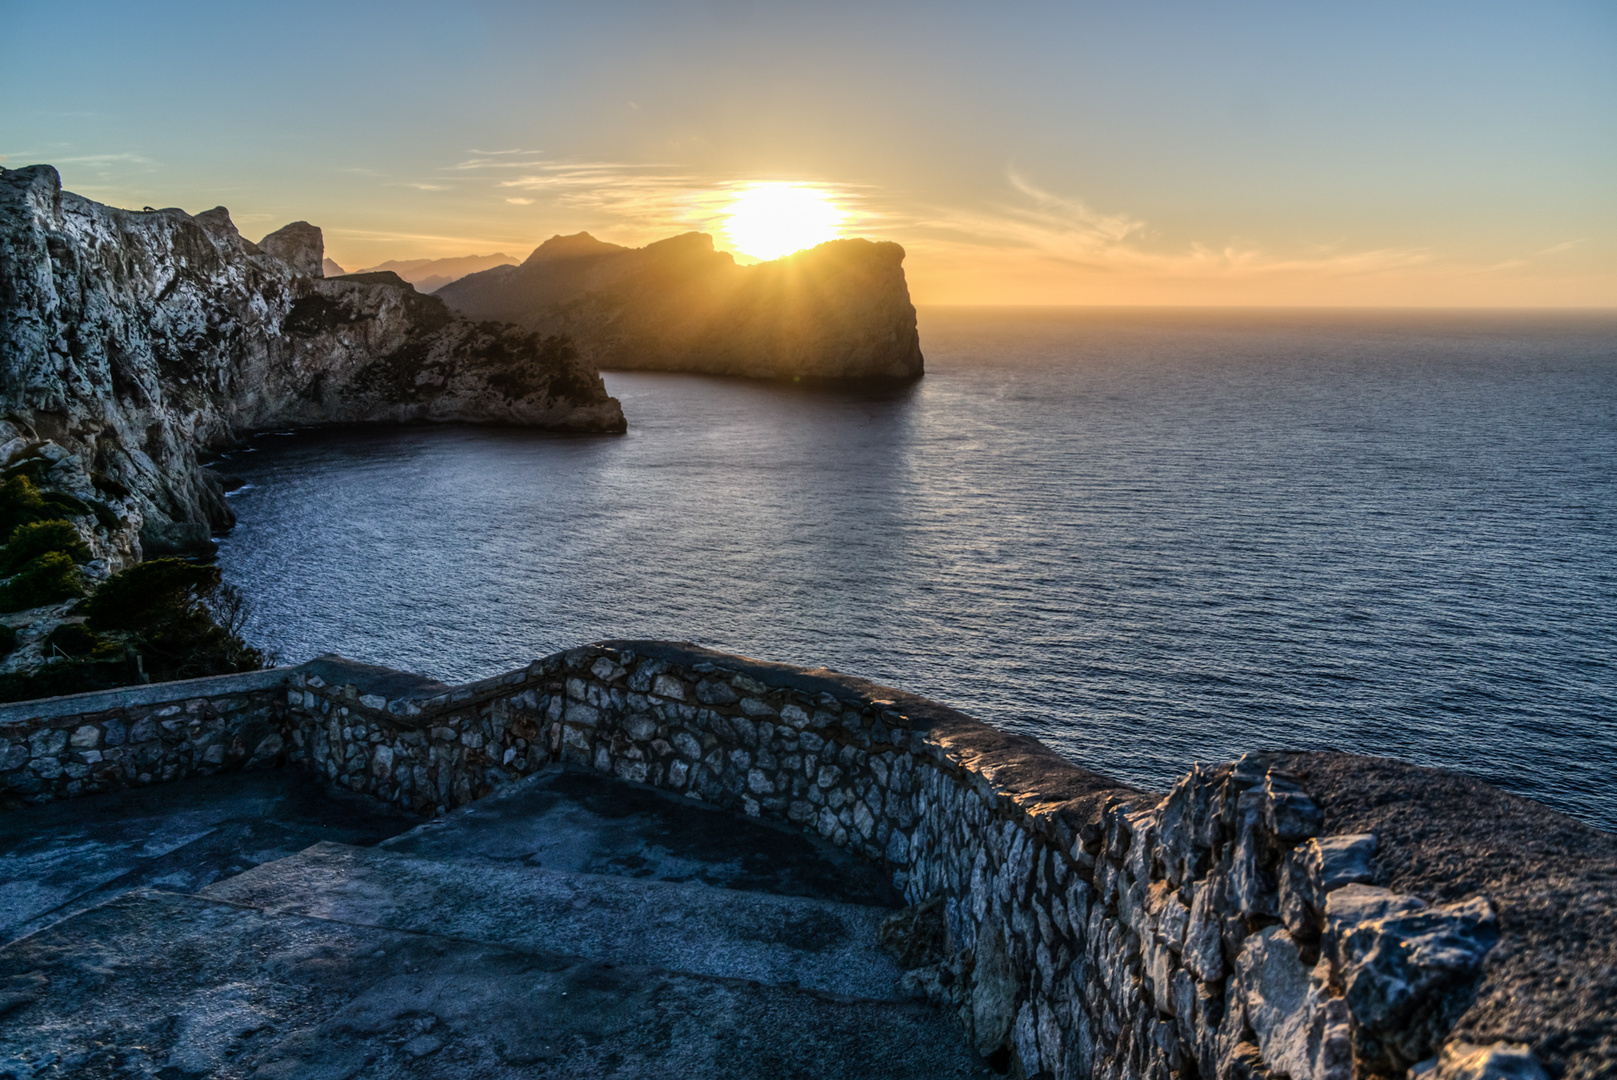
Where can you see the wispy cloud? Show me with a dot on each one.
(1068, 231)
(419, 186)
(518, 200)
(499, 159)
(1556, 249)
(106, 160)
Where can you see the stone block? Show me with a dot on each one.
(1288, 813)
(1407, 975)
(713, 692)
(1315, 867)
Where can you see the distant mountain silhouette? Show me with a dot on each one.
(840, 310)
(429, 275)
(329, 265)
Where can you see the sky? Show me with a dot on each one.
(1425, 154)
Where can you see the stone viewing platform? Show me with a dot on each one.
(649, 859)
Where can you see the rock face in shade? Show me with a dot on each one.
(838, 311)
(134, 340)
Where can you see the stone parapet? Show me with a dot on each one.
(1285, 915)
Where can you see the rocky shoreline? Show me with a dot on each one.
(139, 341)
(136, 346)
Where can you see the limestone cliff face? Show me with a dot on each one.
(138, 341)
(838, 311)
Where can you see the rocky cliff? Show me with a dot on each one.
(136, 342)
(838, 311)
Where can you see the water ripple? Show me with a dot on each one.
(1144, 538)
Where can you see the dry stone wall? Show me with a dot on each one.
(1089, 929)
(88, 743)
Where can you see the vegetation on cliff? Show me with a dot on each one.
(161, 619)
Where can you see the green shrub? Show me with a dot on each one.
(171, 612)
(154, 594)
(44, 580)
(71, 639)
(20, 504)
(63, 504)
(38, 537)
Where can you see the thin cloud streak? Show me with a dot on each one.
(1068, 232)
(107, 160)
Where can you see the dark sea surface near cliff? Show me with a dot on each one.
(1144, 537)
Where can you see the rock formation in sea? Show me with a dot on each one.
(838, 311)
(135, 343)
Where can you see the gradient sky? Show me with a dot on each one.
(1176, 153)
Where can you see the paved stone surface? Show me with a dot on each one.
(62, 857)
(575, 819)
(817, 944)
(569, 926)
(156, 984)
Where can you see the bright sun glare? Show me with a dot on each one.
(767, 221)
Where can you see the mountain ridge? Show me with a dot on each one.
(430, 275)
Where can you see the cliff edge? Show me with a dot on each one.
(134, 341)
(841, 310)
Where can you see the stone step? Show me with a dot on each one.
(156, 983)
(566, 818)
(780, 940)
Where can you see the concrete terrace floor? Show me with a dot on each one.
(570, 925)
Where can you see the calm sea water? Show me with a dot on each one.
(1146, 538)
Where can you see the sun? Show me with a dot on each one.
(767, 221)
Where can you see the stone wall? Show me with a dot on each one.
(1286, 915)
(87, 743)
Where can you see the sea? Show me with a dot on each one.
(1147, 537)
